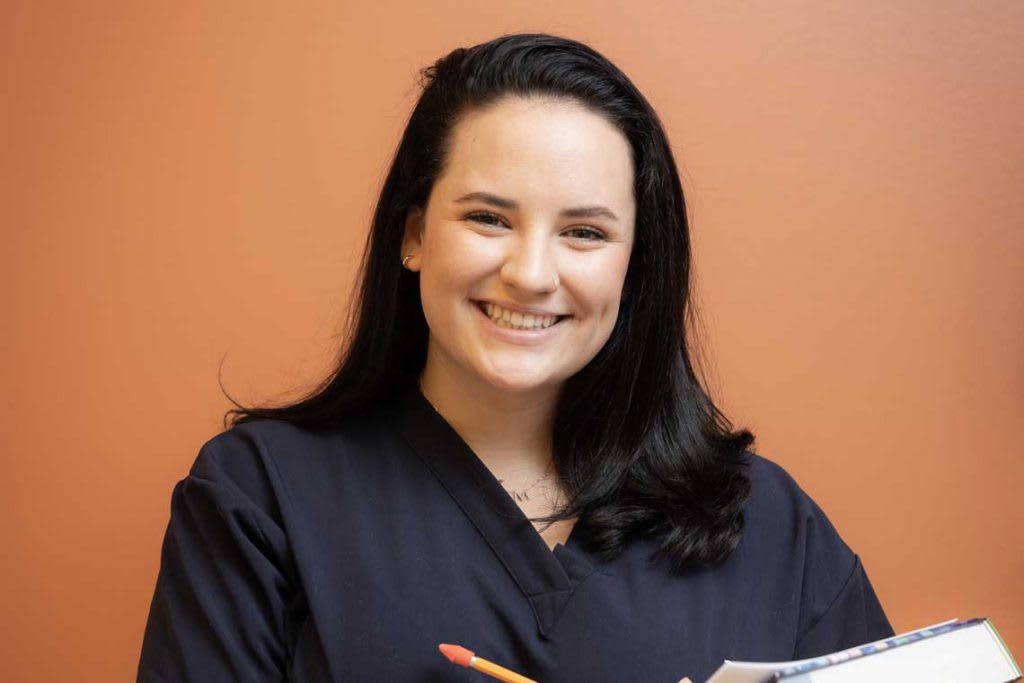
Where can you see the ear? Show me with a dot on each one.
(412, 238)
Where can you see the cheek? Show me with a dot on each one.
(454, 262)
(597, 285)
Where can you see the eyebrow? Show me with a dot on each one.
(503, 203)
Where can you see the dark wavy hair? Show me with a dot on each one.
(638, 443)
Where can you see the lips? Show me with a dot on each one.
(516, 320)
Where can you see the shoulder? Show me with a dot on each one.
(273, 444)
(793, 543)
(795, 546)
(786, 530)
(781, 510)
(772, 484)
(236, 467)
(245, 454)
(262, 460)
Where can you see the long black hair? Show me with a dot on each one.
(638, 443)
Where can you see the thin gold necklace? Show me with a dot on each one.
(517, 496)
(520, 496)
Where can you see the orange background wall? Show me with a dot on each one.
(186, 180)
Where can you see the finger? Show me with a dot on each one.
(685, 680)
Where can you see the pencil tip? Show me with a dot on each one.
(456, 654)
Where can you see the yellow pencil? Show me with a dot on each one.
(463, 657)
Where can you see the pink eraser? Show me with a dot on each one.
(456, 653)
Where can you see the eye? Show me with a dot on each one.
(586, 234)
(485, 218)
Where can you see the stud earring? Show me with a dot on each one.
(405, 261)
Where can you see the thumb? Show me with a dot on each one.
(685, 680)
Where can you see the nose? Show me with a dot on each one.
(530, 265)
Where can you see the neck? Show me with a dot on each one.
(508, 430)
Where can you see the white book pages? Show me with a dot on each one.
(969, 655)
(761, 672)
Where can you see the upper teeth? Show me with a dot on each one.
(526, 321)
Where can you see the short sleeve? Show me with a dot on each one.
(818, 573)
(854, 617)
(218, 610)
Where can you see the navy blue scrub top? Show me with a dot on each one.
(350, 555)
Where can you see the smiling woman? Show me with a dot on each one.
(514, 452)
(533, 260)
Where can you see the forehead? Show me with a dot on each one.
(542, 150)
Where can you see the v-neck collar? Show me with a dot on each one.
(547, 577)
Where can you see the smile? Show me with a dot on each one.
(513, 320)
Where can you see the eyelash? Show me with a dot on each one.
(596, 234)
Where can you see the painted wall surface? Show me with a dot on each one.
(185, 180)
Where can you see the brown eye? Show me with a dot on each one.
(585, 234)
(485, 218)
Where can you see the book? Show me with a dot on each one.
(955, 651)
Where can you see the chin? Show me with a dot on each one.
(515, 382)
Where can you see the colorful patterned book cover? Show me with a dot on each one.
(883, 645)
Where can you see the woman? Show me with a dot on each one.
(515, 453)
